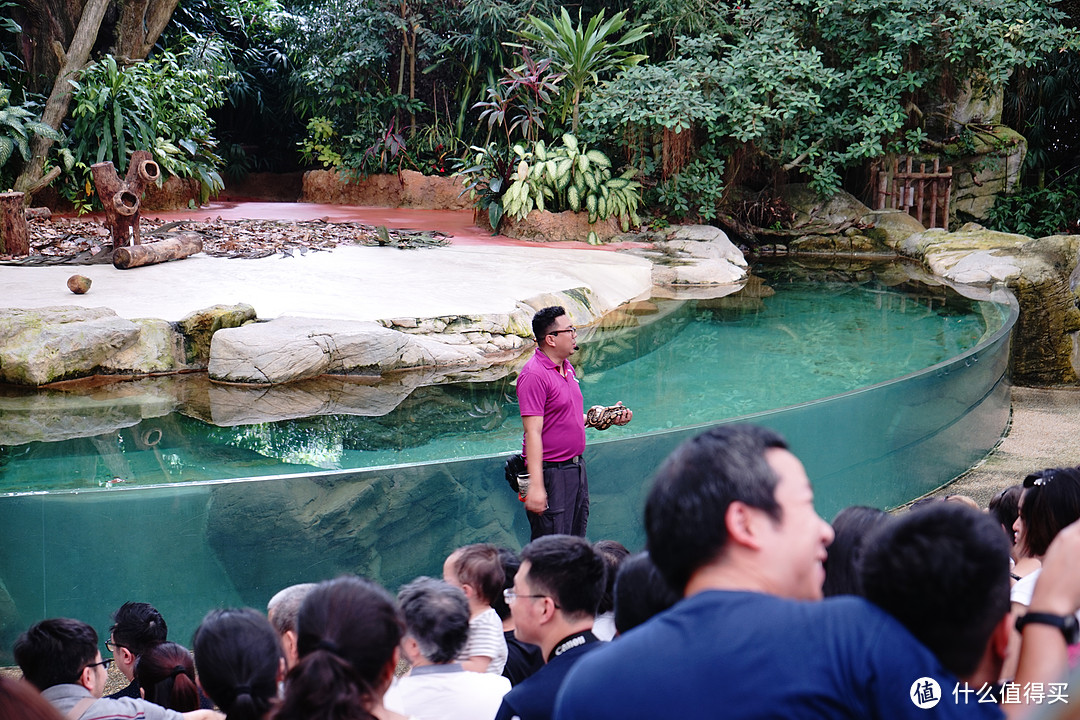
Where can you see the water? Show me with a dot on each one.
(778, 343)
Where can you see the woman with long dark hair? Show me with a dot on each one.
(240, 662)
(166, 677)
(348, 632)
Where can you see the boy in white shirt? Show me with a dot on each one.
(477, 570)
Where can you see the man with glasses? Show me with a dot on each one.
(137, 627)
(553, 602)
(60, 657)
(552, 411)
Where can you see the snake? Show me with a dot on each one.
(601, 417)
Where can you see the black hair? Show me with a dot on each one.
(238, 656)
(851, 527)
(943, 572)
(686, 508)
(1051, 501)
(437, 616)
(570, 570)
(640, 592)
(1005, 506)
(479, 566)
(138, 626)
(19, 699)
(544, 319)
(613, 552)
(166, 674)
(55, 652)
(347, 632)
(510, 564)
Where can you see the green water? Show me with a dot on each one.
(674, 363)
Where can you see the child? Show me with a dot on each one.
(477, 570)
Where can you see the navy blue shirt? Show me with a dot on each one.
(534, 697)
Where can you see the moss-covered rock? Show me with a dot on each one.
(198, 329)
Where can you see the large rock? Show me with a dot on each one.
(1044, 347)
(159, 348)
(294, 348)
(696, 256)
(983, 170)
(43, 345)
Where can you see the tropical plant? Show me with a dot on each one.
(1039, 211)
(518, 102)
(160, 105)
(695, 191)
(583, 52)
(570, 176)
(18, 123)
(485, 173)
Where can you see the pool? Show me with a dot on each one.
(885, 387)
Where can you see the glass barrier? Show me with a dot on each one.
(188, 548)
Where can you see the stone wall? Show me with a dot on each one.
(983, 169)
(409, 189)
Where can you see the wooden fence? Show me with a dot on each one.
(920, 194)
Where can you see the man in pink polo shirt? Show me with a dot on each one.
(552, 411)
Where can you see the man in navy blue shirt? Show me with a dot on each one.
(553, 602)
(730, 521)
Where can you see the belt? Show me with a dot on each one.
(576, 460)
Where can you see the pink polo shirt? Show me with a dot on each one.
(541, 390)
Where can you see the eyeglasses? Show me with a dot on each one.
(510, 596)
(107, 663)
(572, 330)
(111, 646)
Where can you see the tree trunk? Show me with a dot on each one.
(140, 26)
(46, 25)
(121, 200)
(74, 60)
(14, 239)
(157, 252)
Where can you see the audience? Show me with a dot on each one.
(850, 528)
(477, 571)
(348, 633)
(60, 657)
(166, 677)
(640, 592)
(437, 687)
(136, 627)
(730, 520)
(554, 599)
(281, 611)
(522, 659)
(240, 662)
(614, 553)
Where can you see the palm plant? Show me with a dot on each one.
(584, 52)
(17, 125)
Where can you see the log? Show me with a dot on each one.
(121, 199)
(14, 239)
(157, 252)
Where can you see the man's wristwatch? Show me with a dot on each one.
(1067, 624)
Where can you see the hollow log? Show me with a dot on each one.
(157, 252)
(14, 239)
(121, 198)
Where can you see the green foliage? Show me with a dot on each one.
(518, 103)
(569, 176)
(160, 105)
(485, 173)
(1043, 104)
(584, 52)
(695, 191)
(18, 124)
(1038, 212)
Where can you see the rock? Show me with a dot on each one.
(78, 284)
(988, 167)
(810, 207)
(287, 349)
(891, 227)
(853, 244)
(198, 329)
(176, 193)
(698, 233)
(699, 272)
(544, 226)
(43, 345)
(159, 348)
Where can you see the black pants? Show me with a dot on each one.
(568, 502)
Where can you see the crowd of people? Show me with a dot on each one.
(746, 604)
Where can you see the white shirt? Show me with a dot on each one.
(447, 692)
(486, 639)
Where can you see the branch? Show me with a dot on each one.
(806, 153)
